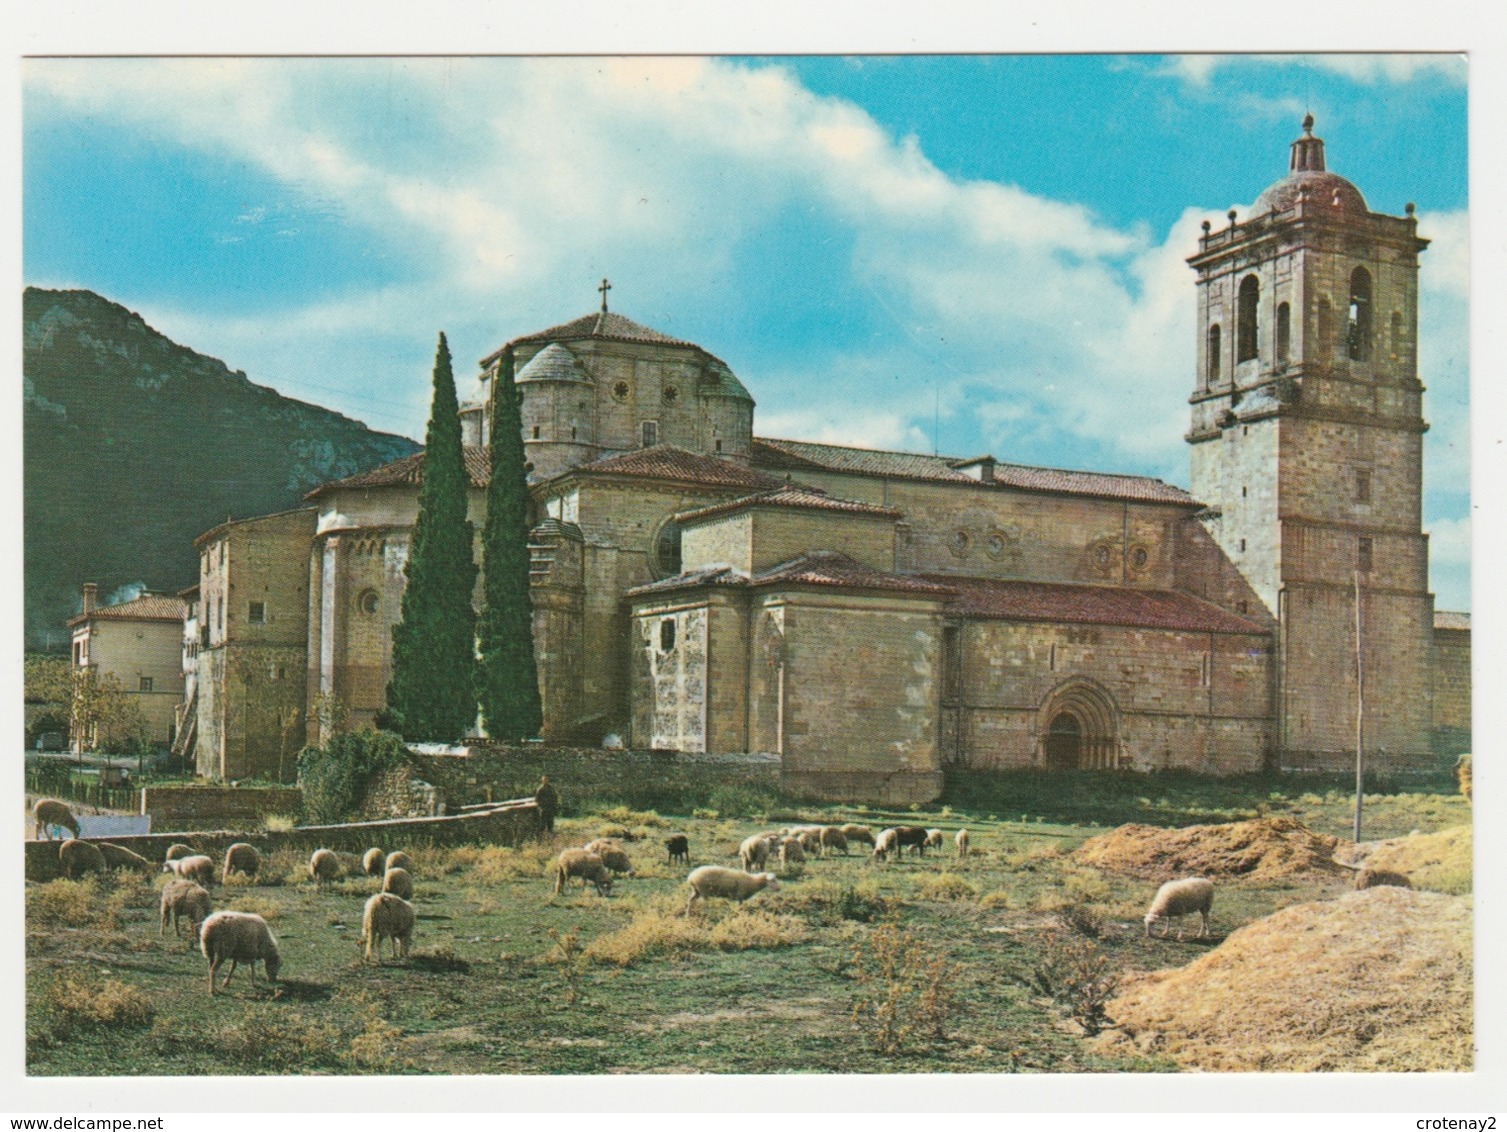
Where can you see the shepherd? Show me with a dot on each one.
(548, 802)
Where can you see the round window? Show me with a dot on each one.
(621, 390)
(671, 393)
(1102, 556)
(960, 542)
(368, 601)
(1139, 556)
(996, 544)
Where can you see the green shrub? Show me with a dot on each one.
(334, 778)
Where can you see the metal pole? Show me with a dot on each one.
(1360, 709)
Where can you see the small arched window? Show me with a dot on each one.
(1284, 331)
(667, 549)
(1213, 364)
(1245, 329)
(1358, 330)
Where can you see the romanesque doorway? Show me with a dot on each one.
(1078, 728)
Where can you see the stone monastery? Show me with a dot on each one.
(873, 617)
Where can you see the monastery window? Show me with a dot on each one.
(1213, 365)
(621, 390)
(256, 614)
(368, 601)
(1245, 326)
(572, 432)
(146, 684)
(717, 447)
(222, 615)
(667, 635)
(1284, 331)
(1363, 554)
(1358, 331)
(650, 434)
(670, 394)
(1362, 485)
(1139, 556)
(1242, 546)
(667, 549)
(536, 432)
(960, 542)
(950, 665)
(78, 654)
(1205, 671)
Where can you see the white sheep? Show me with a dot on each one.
(791, 854)
(178, 850)
(183, 899)
(390, 916)
(241, 858)
(832, 839)
(324, 866)
(961, 841)
(199, 868)
(374, 862)
(400, 860)
(729, 884)
(886, 843)
(49, 812)
(77, 857)
(1182, 898)
(613, 855)
(587, 866)
(858, 833)
(754, 852)
(933, 839)
(399, 882)
(241, 937)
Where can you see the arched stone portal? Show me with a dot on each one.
(1078, 728)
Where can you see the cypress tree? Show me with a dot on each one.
(509, 683)
(432, 695)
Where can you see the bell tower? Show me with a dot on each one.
(1307, 441)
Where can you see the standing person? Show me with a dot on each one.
(548, 802)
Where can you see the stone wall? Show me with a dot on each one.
(1452, 679)
(216, 807)
(400, 793)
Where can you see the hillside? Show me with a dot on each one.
(134, 445)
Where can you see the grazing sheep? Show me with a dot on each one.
(791, 854)
(810, 838)
(1376, 878)
(49, 812)
(324, 866)
(374, 862)
(961, 841)
(387, 915)
(400, 860)
(832, 839)
(933, 839)
(198, 868)
(399, 882)
(1182, 898)
(754, 852)
(887, 843)
(858, 833)
(241, 937)
(241, 858)
(184, 900)
(679, 847)
(587, 866)
(176, 851)
(729, 884)
(616, 860)
(913, 837)
(77, 857)
(119, 857)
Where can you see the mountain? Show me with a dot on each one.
(135, 445)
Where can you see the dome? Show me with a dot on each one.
(553, 363)
(1318, 187)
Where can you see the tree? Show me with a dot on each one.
(100, 712)
(509, 683)
(432, 694)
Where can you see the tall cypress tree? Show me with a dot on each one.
(432, 695)
(509, 683)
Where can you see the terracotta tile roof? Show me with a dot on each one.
(409, 471)
(147, 607)
(666, 462)
(1444, 619)
(1100, 605)
(796, 455)
(790, 495)
(832, 568)
(598, 324)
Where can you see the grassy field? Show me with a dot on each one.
(992, 964)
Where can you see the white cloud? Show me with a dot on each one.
(1397, 67)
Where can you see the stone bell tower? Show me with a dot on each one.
(1307, 443)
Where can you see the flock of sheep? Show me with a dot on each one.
(244, 937)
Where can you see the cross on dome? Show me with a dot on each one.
(604, 288)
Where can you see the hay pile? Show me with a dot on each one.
(1266, 849)
(1440, 861)
(1377, 980)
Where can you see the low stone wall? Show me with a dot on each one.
(509, 825)
(401, 792)
(898, 788)
(585, 776)
(217, 807)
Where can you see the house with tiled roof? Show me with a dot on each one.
(139, 643)
(872, 618)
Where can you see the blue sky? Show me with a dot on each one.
(982, 250)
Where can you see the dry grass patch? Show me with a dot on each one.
(1266, 849)
(945, 886)
(89, 902)
(1440, 861)
(497, 864)
(660, 928)
(1376, 980)
(77, 1000)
